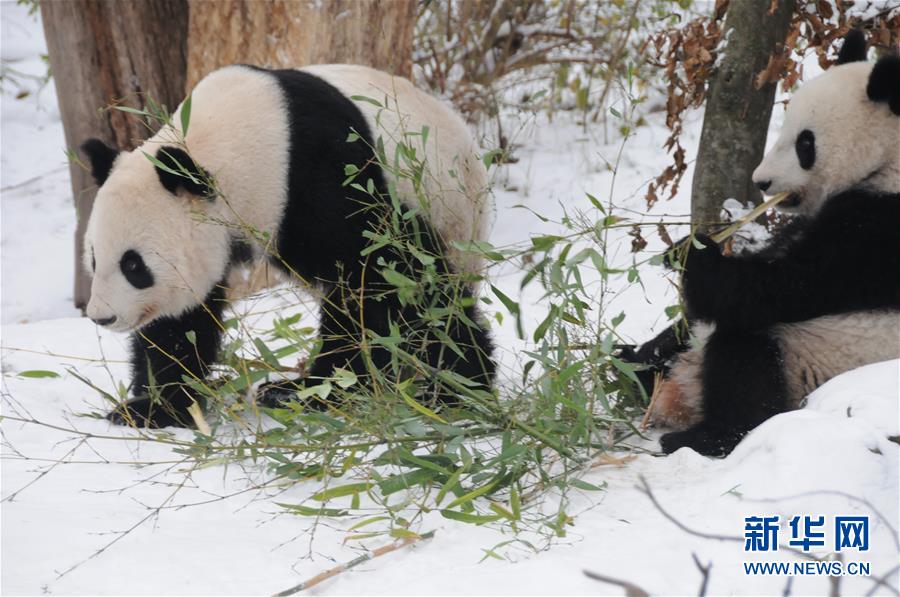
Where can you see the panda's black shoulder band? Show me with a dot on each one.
(177, 169)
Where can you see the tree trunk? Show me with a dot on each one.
(289, 33)
(737, 112)
(104, 52)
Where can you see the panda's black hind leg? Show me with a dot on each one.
(743, 385)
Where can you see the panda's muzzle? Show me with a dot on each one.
(105, 321)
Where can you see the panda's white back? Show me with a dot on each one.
(239, 132)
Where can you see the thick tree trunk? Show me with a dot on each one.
(737, 113)
(104, 52)
(290, 33)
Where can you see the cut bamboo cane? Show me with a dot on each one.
(386, 549)
(755, 213)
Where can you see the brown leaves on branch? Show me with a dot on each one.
(687, 54)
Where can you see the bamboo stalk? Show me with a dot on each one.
(755, 213)
(332, 572)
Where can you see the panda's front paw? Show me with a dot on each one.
(280, 394)
(705, 439)
(145, 412)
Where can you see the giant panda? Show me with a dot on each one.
(261, 173)
(823, 297)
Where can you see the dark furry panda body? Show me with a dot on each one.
(319, 237)
(822, 298)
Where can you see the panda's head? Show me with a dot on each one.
(840, 131)
(150, 246)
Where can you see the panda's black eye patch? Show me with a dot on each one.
(135, 271)
(806, 149)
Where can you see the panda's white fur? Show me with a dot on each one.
(834, 105)
(186, 243)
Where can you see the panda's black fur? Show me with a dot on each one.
(843, 259)
(320, 238)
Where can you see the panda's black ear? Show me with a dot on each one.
(101, 157)
(884, 82)
(177, 170)
(854, 48)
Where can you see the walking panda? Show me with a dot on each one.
(262, 173)
(824, 296)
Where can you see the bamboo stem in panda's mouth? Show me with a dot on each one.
(752, 215)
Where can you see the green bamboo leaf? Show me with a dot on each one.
(584, 485)
(342, 491)
(472, 495)
(449, 485)
(38, 374)
(307, 511)
(368, 100)
(470, 518)
(185, 115)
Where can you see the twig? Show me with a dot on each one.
(657, 388)
(31, 180)
(704, 570)
(631, 590)
(881, 581)
(645, 488)
(321, 577)
(834, 581)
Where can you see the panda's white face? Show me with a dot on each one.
(834, 137)
(151, 253)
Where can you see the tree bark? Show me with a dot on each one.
(290, 33)
(104, 52)
(737, 112)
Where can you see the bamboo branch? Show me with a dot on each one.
(323, 576)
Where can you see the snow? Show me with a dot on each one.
(216, 529)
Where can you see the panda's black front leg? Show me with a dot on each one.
(743, 385)
(162, 355)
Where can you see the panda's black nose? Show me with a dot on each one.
(106, 321)
(763, 185)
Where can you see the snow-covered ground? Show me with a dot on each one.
(214, 530)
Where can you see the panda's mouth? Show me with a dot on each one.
(792, 201)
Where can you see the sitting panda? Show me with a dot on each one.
(823, 297)
(260, 174)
